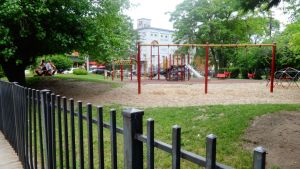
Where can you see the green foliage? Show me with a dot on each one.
(218, 21)
(33, 28)
(1, 72)
(61, 61)
(234, 72)
(258, 75)
(252, 4)
(111, 32)
(288, 47)
(244, 73)
(80, 72)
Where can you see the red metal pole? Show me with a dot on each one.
(121, 67)
(206, 66)
(189, 63)
(158, 64)
(184, 62)
(273, 67)
(139, 67)
(130, 67)
(181, 64)
(151, 62)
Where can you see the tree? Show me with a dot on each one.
(252, 4)
(288, 46)
(112, 33)
(33, 28)
(292, 7)
(217, 21)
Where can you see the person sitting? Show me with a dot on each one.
(41, 70)
(50, 67)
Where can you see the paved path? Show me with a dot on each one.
(8, 157)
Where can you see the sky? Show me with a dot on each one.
(156, 11)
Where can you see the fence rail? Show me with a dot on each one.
(41, 128)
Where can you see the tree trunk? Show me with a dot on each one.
(14, 72)
(214, 59)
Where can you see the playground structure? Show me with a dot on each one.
(178, 71)
(121, 63)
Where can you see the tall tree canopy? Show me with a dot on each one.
(33, 28)
(252, 4)
(217, 21)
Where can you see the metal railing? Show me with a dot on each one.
(41, 128)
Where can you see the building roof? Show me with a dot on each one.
(160, 29)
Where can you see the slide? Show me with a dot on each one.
(196, 73)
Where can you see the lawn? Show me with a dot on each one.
(228, 122)
(89, 78)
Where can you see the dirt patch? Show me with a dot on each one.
(279, 133)
(79, 90)
(177, 94)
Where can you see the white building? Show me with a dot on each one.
(150, 35)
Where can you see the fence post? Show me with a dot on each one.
(211, 142)
(1, 123)
(133, 151)
(259, 158)
(16, 116)
(45, 121)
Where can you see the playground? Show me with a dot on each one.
(169, 94)
(171, 100)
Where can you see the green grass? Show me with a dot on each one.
(89, 78)
(228, 123)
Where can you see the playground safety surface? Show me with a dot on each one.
(165, 93)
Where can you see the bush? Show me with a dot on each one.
(80, 72)
(222, 70)
(244, 72)
(234, 72)
(61, 62)
(258, 75)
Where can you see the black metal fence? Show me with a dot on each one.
(41, 128)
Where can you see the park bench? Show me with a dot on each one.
(223, 75)
(251, 75)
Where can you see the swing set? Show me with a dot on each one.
(121, 63)
(207, 46)
(173, 71)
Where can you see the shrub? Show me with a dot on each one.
(61, 62)
(244, 72)
(80, 72)
(258, 75)
(234, 72)
(222, 70)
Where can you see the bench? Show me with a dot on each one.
(251, 75)
(221, 76)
